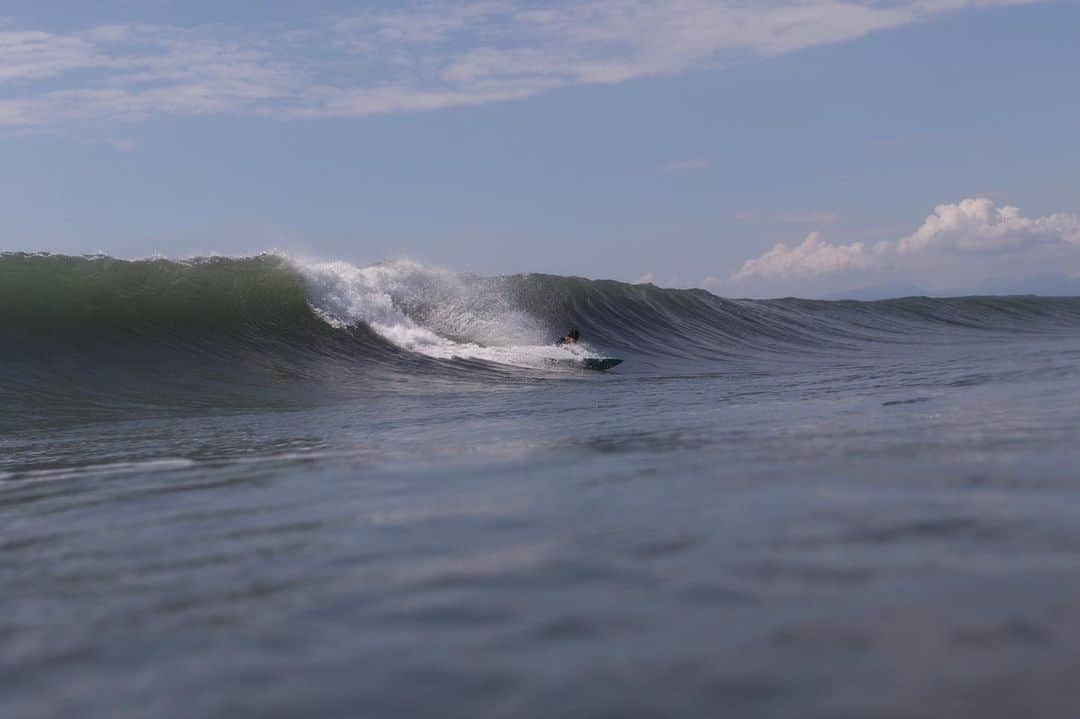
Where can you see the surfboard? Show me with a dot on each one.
(601, 364)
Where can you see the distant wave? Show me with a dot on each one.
(81, 332)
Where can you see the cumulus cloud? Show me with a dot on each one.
(420, 56)
(812, 257)
(971, 226)
(975, 225)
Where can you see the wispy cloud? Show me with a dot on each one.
(973, 227)
(424, 56)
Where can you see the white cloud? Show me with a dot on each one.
(975, 225)
(647, 278)
(715, 283)
(131, 72)
(421, 57)
(812, 257)
(970, 226)
(32, 55)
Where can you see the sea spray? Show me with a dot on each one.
(431, 311)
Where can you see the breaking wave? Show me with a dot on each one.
(99, 332)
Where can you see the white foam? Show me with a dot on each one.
(430, 311)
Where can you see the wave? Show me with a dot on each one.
(101, 332)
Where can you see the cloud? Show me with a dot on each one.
(812, 257)
(973, 226)
(422, 56)
(647, 278)
(715, 283)
(33, 55)
(132, 72)
(687, 165)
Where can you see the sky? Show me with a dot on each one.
(752, 148)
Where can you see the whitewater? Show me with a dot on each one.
(270, 486)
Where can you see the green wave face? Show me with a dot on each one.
(61, 292)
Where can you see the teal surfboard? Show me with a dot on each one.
(600, 363)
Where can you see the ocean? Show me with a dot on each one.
(240, 487)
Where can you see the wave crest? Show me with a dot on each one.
(280, 311)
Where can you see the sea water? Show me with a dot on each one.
(263, 487)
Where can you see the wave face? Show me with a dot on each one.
(90, 334)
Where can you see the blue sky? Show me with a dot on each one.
(771, 147)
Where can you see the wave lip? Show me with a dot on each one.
(429, 311)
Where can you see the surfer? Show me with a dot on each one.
(570, 338)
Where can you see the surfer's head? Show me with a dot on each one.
(573, 335)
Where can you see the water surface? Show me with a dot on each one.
(253, 487)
